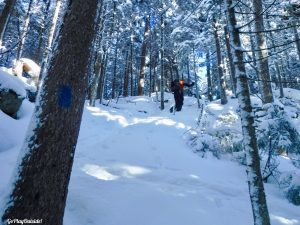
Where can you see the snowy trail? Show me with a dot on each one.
(133, 168)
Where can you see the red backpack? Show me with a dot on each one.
(181, 84)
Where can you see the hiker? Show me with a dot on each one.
(177, 88)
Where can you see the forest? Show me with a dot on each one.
(153, 112)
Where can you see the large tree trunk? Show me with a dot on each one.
(141, 84)
(262, 54)
(222, 85)
(4, 18)
(255, 183)
(41, 183)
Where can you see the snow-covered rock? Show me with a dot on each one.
(12, 94)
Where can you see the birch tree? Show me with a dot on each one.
(255, 183)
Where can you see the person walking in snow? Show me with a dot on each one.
(177, 87)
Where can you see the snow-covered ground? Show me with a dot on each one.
(133, 166)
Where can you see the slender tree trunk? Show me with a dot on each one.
(95, 82)
(284, 72)
(114, 80)
(141, 84)
(209, 85)
(253, 54)
(255, 183)
(24, 32)
(189, 75)
(222, 86)
(276, 63)
(196, 80)
(50, 38)
(176, 69)
(150, 63)
(297, 40)
(4, 18)
(262, 54)
(126, 76)
(38, 54)
(102, 77)
(155, 84)
(188, 69)
(171, 72)
(131, 70)
(162, 83)
(230, 59)
(96, 62)
(278, 71)
(42, 178)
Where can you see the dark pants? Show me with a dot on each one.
(178, 96)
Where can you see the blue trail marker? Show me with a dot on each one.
(64, 96)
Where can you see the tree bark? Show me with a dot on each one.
(42, 178)
(255, 183)
(262, 54)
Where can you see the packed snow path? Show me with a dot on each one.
(133, 167)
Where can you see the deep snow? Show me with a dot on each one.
(133, 166)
